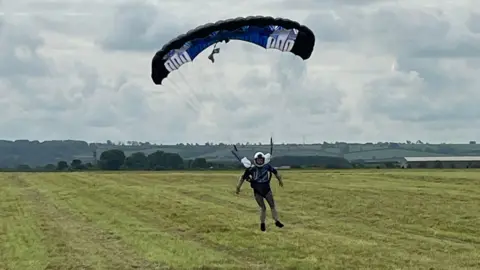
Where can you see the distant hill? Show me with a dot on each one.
(35, 153)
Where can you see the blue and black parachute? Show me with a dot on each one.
(267, 32)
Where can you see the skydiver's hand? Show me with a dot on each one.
(280, 180)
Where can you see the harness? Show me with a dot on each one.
(260, 188)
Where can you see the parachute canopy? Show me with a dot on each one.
(268, 32)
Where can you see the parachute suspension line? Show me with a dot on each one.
(283, 101)
(185, 93)
(201, 88)
(188, 99)
(192, 89)
(211, 57)
(211, 90)
(179, 94)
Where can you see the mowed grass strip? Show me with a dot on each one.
(355, 219)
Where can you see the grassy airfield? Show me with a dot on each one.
(351, 219)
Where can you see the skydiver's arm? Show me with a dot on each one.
(240, 183)
(242, 179)
(277, 174)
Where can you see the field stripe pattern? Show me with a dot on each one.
(352, 219)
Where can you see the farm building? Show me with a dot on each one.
(441, 162)
(378, 163)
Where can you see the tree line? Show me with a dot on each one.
(115, 159)
(37, 154)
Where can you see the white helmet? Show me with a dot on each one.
(259, 155)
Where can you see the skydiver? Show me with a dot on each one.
(259, 176)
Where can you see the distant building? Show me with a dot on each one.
(441, 162)
(379, 163)
(283, 167)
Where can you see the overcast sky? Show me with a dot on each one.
(381, 71)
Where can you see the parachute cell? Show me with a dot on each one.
(268, 32)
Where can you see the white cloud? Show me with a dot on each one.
(381, 70)
(473, 22)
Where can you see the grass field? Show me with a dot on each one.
(352, 219)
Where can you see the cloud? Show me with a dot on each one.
(460, 49)
(329, 27)
(19, 51)
(473, 22)
(62, 97)
(408, 97)
(381, 70)
(142, 26)
(323, 4)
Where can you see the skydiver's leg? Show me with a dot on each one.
(271, 203)
(263, 210)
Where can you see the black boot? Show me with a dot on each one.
(278, 224)
(262, 227)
